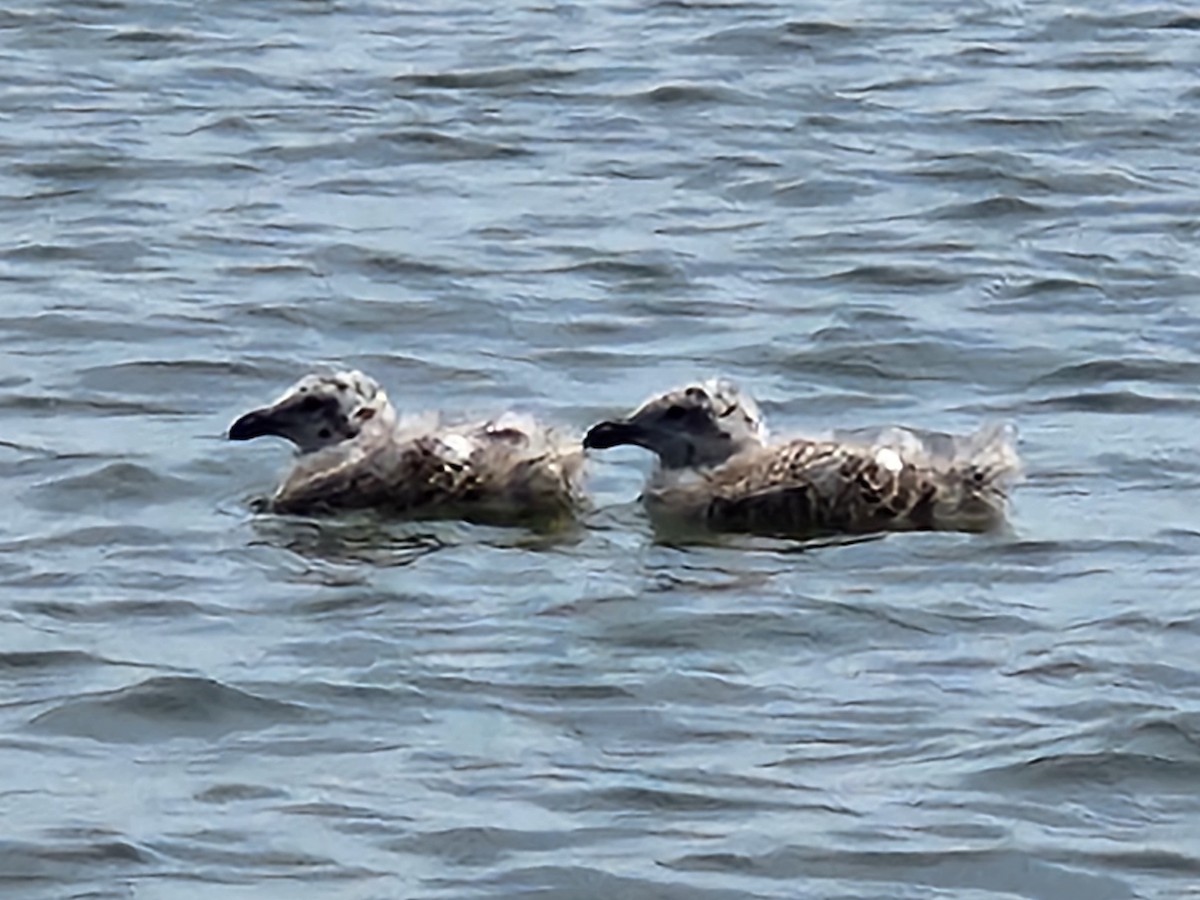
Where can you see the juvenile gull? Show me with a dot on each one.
(356, 453)
(717, 469)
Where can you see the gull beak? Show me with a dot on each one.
(611, 434)
(253, 424)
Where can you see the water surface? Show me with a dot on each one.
(929, 215)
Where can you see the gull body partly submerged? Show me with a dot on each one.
(355, 453)
(718, 469)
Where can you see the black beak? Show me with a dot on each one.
(251, 425)
(611, 434)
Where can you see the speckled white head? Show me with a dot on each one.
(319, 411)
(701, 424)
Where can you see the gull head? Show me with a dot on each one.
(702, 424)
(320, 411)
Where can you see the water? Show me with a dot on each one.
(933, 215)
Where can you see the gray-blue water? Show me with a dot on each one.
(926, 213)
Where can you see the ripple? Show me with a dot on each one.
(991, 208)
(1104, 371)
(681, 94)
(117, 482)
(236, 793)
(897, 276)
(113, 610)
(438, 145)
(566, 882)
(995, 870)
(1116, 401)
(69, 858)
(479, 846)
(147, 36)
(765, 40)
(393, 265)
(35, 661)
(165, 707)
(488, 79)
(1089, 770)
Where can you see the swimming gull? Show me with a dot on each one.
(718, 469)
(355, 452)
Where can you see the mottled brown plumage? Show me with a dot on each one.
(894, 479)
(355, 455)
(811, 486)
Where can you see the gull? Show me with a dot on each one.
(354, 452)
(718, 469)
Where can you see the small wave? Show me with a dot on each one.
(405, 145)
(479, 846)
(93, 163)
(898, 276)
(820, 29)
(764, 40)
(983, 168)
(630, 269)
(1000, 871)
(657, 800)
(679, 94)
(1130, 369)
(818, 192)
(165, 707)
(47, 659)
(146, 36)
(486, 79)
(112, 483)
(71, 405)
(69, 857)
(231, 793)
(1088, 770)
(1124, 401)
(225, 77)
(992, 208)
(110, 610)
(444, 146)
(149, 375)
(1039, 287)
(348, 257)
(1112, 62)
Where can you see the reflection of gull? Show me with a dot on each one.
(717, 469)
(354, 454)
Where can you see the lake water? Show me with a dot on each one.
(928, 213)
